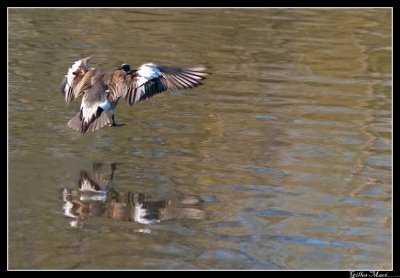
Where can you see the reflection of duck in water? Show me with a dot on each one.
(96, 197)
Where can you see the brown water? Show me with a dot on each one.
(282, 160)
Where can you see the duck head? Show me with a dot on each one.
(125, 67)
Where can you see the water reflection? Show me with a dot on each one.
(96, 195)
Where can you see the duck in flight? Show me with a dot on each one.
(101, 89)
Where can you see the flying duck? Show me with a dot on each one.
(101, 89)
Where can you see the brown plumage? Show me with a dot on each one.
(101, 89)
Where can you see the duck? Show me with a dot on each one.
(101, 89)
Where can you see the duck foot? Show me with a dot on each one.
(115, 124)
(113, 121)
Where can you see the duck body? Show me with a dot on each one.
(101, 89)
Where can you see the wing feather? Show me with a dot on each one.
(77, 80)
(150, 79)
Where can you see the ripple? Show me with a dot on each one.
(264, 170)
(310, 241)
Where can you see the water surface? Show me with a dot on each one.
(281, 160)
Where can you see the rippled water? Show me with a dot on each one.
(281, 160)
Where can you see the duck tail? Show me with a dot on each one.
(76, 123)
(100, 120)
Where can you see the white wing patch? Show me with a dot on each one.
(81, 63)
(141, 213)
(68, 209)
(70, 76)
(88, 111)
(147, 72)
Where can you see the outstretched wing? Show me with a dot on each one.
(116, 85)
(77, 80)
(150, 79)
